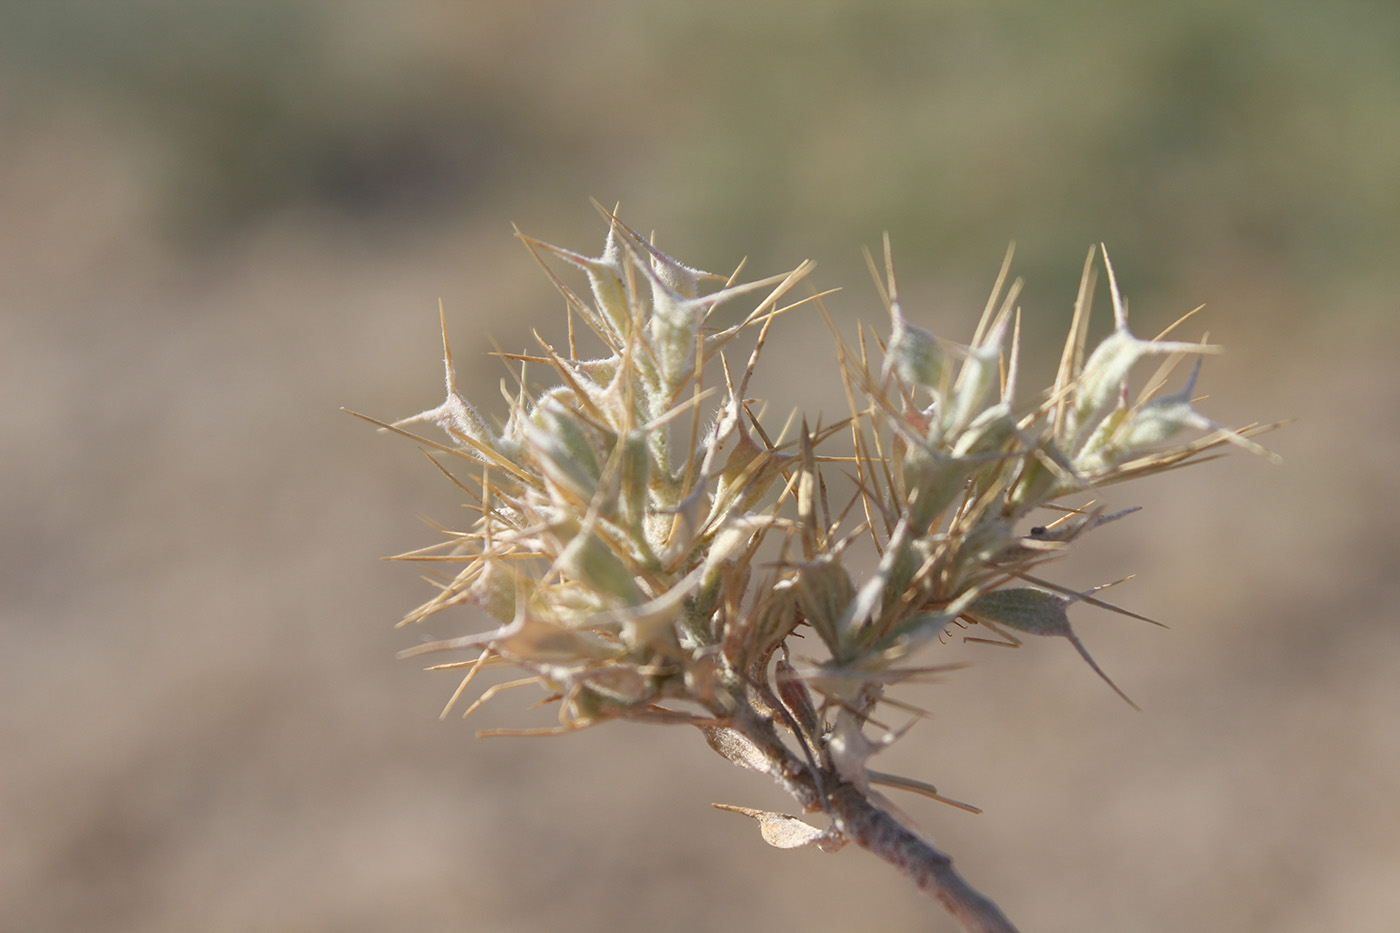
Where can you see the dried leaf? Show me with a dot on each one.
(783, 831)
(738, 748)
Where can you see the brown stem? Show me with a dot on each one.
(874, 829)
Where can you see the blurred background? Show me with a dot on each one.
(220, 222)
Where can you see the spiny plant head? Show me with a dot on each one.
(649, 551)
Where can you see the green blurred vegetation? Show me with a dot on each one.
(1201, 136)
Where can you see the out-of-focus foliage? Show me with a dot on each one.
(1184, 135)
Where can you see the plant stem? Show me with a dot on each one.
(876, 831)
(871, 827)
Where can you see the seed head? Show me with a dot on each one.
(649, 552)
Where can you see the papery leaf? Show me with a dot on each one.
(738, 749)
(783, 831)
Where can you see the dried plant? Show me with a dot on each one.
(650, 553)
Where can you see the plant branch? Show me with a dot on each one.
(876, 831)
(869, 826)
